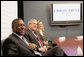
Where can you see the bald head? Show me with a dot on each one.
(15, 21)
(18, 26)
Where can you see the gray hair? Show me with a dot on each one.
(31, 20)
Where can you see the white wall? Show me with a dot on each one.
(8, 13)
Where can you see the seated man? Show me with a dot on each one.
(35, 38)
(17, 45)
(14, 44)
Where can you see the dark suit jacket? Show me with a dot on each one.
(57, 51)
(30, 36)
(13, 45)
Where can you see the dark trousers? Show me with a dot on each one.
(55, 51)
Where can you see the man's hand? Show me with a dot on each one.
(43, 49)
(32, 45)
(46, 42)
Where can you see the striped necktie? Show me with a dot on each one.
(39, 39)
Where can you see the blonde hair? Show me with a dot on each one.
(44, 37)
(39, 22)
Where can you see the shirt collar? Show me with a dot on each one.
(32, 30)
(17, 35)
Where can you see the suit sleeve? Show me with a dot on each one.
(10, 48)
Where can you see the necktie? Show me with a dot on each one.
(39, 39)
(24, 39)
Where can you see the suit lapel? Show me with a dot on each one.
(34, 39)
(20, 41)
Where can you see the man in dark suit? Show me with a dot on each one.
(14, 45)
(33, 36)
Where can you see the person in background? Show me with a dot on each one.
(34, 37)
(41, 30)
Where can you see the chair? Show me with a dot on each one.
(2, 41)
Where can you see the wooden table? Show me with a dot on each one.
(69, 45)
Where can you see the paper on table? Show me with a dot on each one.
(61, 39)
(79, 51)
(79, 37)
